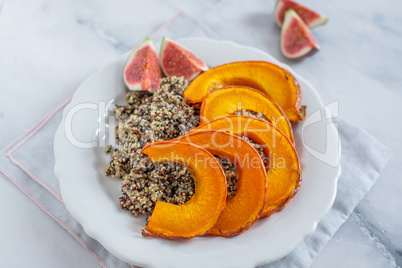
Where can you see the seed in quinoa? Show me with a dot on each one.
(108, 149)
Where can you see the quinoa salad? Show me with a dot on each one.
(147, 118)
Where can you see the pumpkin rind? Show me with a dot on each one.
(228, 100)
(269, 78)
(284, 173)
(246, 206)
(198, 215)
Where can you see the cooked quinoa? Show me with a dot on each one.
(259, 148)
(231, 174)
(163, 181)
(149, 118)
(146, 118)
(250, 113)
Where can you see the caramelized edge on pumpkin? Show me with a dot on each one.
(251, 185)
(198, 215)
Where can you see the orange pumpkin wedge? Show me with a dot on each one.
(228, 100)
(276, 82)
(284, 173)
(198, 215)
(246, 206)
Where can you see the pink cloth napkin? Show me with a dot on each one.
(28, 162)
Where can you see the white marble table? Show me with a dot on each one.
(48, 47)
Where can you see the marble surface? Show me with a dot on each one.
(47, 48)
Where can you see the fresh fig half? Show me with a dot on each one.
(177, 60)
(310, 17)
(296, 38)
(142, 71)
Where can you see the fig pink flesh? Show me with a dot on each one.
(297, 39)
(180, 62)
(309, 16)
(144, 69)
(294, 38)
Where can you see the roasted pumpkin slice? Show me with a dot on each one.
(276, 82)
(228, 100)
(198, 215)
(246, 206)
(284, 173)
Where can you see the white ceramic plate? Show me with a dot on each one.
(93, 199)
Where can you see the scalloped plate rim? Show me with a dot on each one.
(94, 233)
